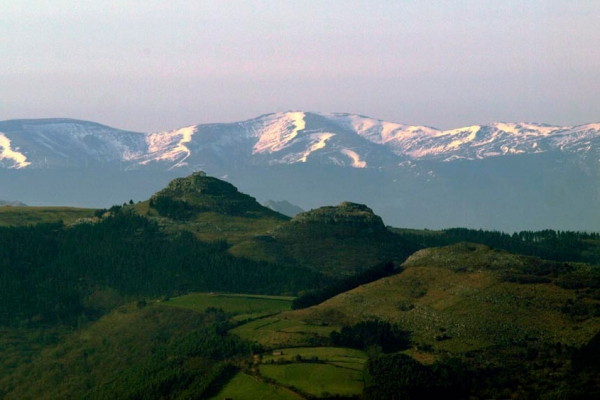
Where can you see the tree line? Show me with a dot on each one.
(547, 244)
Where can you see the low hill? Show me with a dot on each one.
(197, 193)
(466, 297)
(211, 208)
(338, 240)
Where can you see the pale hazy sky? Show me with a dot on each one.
(153, 65)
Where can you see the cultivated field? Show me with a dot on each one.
(243, 306)
(246, 387)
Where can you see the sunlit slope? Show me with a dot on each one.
(152, 352)
(465, 296)
(20, 216)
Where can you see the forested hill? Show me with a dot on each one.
(51, 272)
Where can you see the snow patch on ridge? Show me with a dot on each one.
(8, 153)
(318, 141)
(170, 146)
(356, 162)
(279, 132)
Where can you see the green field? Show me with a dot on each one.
(318, 380)
(241, 305)
(245, 387)
(21, 216)
(276, 332)
(342, 357)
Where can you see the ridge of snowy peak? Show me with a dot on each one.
(290, 131)
(96, 140)
(525, 128)
(60, 141)
(277, 131)
(379, 131)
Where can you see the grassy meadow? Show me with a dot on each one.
(320, 380)
(242, 306)
(277, 332)
(247, 387)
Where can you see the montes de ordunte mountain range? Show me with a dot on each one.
(505, 176)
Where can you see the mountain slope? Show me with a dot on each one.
(338, 240)
(280, 138)
(475, 297)
(505, 176)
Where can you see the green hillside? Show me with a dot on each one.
(190, 295)
(474, 297)
(338, 240)
(146, 353)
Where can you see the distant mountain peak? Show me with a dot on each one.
(284, 207)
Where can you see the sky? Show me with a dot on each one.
(160, 65)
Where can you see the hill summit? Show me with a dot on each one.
(345, 214)
(196, 193)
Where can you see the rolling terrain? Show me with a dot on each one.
(194, 293)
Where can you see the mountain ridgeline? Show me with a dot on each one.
(506, 176)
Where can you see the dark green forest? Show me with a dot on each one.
(53, 273)
(547, 244)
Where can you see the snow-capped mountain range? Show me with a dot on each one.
(280, 138)
(506, 176)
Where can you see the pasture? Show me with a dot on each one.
(275, 332)
(242, 306)
(246, 387)
(320, 380)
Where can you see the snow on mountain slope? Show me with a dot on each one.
(66, 142)
(13, 158)
(167, 146)
(278, 132)
(280, 138)
(474, 142)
